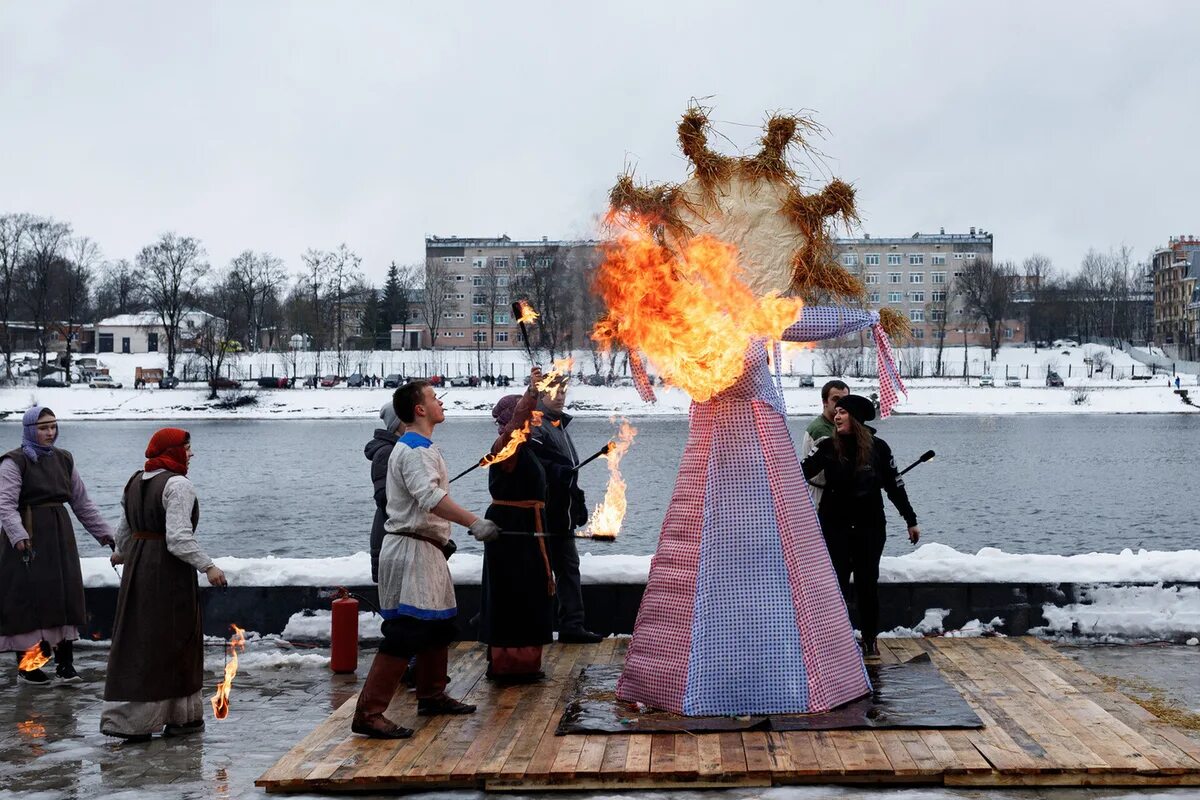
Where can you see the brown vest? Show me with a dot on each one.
(144, 509)
(47, 480)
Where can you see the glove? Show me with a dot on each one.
(449, 549)
(484, 530)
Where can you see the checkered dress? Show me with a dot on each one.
(742, 613)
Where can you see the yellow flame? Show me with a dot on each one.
(220, 700)
(553, 381)
(32, 729)
(528, 315)
(608, 516)
(34, 658)
(518, 437)
(688, 309)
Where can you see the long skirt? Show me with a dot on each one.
(139, 719)
(41, 598)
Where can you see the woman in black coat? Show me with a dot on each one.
(858, 468)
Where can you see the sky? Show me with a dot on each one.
(280, 126)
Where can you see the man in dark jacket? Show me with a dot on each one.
(377, 451)
(566, 510)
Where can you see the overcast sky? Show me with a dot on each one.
(285, 125)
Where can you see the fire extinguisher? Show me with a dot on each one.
(343, 656)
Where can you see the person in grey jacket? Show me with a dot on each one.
(377, 451)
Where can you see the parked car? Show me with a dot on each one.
(987, 380)
(596, 379)
(463, 380)
(168, 382)
(1012, 383)
(51, 383)
(806, 381)
(103, 382)
(330, 381)
(272, 382)
(311, 381)
(355, 380)
(224, 383)
(1053, 378)
(393, 381)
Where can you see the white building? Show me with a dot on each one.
(144, 332)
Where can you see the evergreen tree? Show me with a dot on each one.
(393, 298)
(374, 329)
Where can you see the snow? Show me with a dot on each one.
(314, 626)
(929, 563)
(926, 395)
(1124, 612)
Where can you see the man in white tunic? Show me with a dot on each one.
(416, 594)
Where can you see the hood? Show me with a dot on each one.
(380, 440)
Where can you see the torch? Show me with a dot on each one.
(926, 456)
(603, 451)
(523, 313)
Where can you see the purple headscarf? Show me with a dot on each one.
(29, 442)
(502, 412)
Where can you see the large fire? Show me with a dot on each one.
(220, 700)
(519, 437)
(688, 309)
(35, 657)
(608, 516)
(554, 381)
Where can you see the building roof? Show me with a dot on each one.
(974, 237)
(435, 242)
(150, 319)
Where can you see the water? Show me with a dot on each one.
(1021, 483)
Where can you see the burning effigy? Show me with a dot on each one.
(742, 613)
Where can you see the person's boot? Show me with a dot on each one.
(432, 699)
(33, 677)
(64, 662)
(382, 682)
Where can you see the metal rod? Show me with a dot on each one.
(926, 456)
(602, 451)
(471, 468)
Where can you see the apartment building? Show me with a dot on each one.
(915, 276)
(1175, 269)
(482, 277)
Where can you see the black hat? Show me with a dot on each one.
(858, 407)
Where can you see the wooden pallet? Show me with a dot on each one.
(1048, 722)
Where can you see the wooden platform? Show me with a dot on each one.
(1048, 722)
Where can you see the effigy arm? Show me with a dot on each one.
(828, 322)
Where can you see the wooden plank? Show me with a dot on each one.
(860, 752)
(292, 767)
(754, 745)
(800, 748)
(687, 759)
(662, 753)
(637, 756)
(887, 655)
(780, 755)
(827, 753)
(440, 758)
(535, 751)
(591, 757)
(903, 764)
(616, 750)
(955, 751)
(733, 754)
(708, 756)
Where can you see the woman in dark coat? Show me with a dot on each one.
(156, 662)
(517, 616)
(41, 584)
(858, 468)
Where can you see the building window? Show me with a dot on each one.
(479, 318)
(460, 277)
(958, 256)
(542, 262)
(479, 262)
(939, 334)
(500, 263)
(916, 277)
(448, 297)
(937, 277)
(477, 280)
(895, 297)
(938, 297)
(872, 278)
(522, 261)
(918, 333)
(849, 260)
(916, 259)
(893, 259)
(480, 337)
(152, 342)
(958, 275)
(459, 296)
(916, 314)
(894, 277)
(872, 259)
(501, 336)
(969, 256)
(937, 259)
(936, 315)
(874, 297)
(916, 297)
(1008, 333)
(104, 343)
(447, 315)
(479, 299)
(502, 280)
(502, 318)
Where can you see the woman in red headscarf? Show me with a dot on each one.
(156, 663)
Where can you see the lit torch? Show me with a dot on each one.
(524, 315)
(608, 516)
(556, 379)
(35, 657)
(519, 437)
(220, 700)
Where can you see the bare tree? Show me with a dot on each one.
(838, 357)
(546, 284)
(345, 281)
(314, 283)
(987, 289)
(47, 242)
(83, 256)
(1038, 277)
(14, 240)
(436, 302)
(119, 289)
(254, 281)
(171, 270)
(212, 344)
(941, 299)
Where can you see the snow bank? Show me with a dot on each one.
(930, 563)
(1125, 612)
(314, 626)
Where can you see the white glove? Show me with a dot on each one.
(484, 530)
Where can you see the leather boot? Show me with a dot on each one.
(382, 682)
(431, 686)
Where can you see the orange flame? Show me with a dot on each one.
(687, 310)
(32, 729)
(518, 437)
(528, 315)
(554, 380)
(220, 700)
(608, 516)
(35, 657)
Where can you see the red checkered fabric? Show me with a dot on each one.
(890, 385)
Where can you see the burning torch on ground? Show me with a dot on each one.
(608, 516)
(220, 700)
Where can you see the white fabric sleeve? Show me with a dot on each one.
(179, 496)
(124, 534)
(10, 498)
(420, 475)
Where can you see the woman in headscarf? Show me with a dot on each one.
(517, 616)
(41, 584)
(156, 662)
(858, 468)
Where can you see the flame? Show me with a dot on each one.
(35, 657)
(554, 380)
(220, 700)
(528, 315)
(687, 309)
(608, 516)
(32, 729)
(518, 437)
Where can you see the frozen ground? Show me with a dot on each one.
(51, 746)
